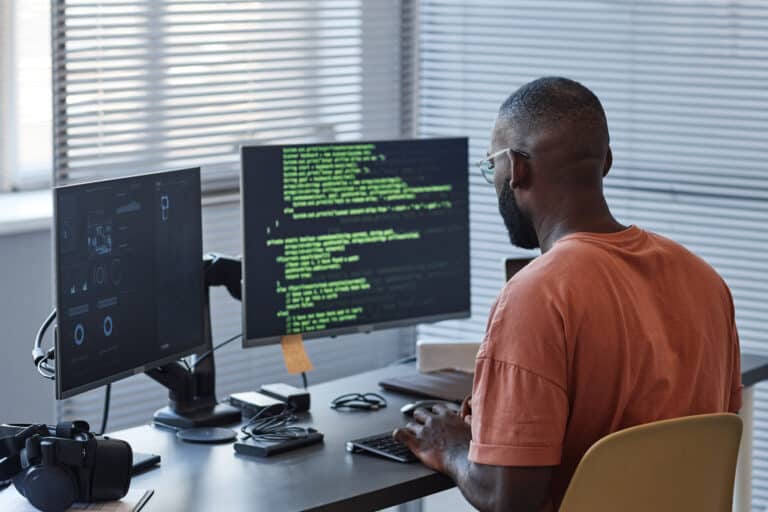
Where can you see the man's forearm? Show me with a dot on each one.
(475, 487)
(492, 488)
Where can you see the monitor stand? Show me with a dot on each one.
(191, 397)
(192, 393)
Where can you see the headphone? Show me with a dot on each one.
(55, 467)
(359, 401)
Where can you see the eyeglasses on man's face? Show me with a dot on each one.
(487, 165)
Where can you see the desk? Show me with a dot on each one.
(325, 477)
(320, 477)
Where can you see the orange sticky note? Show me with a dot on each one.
(294, 353)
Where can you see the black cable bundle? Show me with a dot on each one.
(274, 428)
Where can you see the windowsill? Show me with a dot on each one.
(30, 211)
(25, 212)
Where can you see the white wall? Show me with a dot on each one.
(25, 301)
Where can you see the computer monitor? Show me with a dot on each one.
(129, 280)
(353, 236)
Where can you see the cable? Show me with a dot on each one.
(215, 348)
(105, 412)
(274, 428)
(44, 370)
(39, 357)
(304, 379)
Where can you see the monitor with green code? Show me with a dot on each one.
(353, 236)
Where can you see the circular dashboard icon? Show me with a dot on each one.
(79, 334)
(100, 274)
(108, 326)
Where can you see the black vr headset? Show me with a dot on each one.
(54, 468)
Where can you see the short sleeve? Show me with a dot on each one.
(518, 418)
(520, 404)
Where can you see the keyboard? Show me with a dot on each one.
(383, 445)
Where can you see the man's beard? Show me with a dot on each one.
(519, 225)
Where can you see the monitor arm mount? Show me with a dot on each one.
(192, 392)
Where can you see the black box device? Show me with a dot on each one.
(252, 403)
(296, 398)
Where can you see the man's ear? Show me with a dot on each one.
(520, 177)
(608, 162)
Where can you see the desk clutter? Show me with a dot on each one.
(272, 416)
(68, 464)
(271, 427)
(193, 477)
(54, 467)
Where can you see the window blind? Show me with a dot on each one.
(162, 84)
(683, 85)
(142, 85)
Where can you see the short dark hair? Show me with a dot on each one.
(553, 100)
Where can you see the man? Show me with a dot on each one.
(612, 326)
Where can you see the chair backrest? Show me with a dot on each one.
(672, 465)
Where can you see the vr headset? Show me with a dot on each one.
(55, 467)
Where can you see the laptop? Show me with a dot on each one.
(447, 385)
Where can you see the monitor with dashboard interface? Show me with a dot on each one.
(129, 280)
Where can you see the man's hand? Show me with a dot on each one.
(440, 438)
(435, 436)
(466, 410)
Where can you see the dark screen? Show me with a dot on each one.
(351, 236)
(129, 276)
(514, 265)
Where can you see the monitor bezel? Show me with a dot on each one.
(62, 394)
(356, 329)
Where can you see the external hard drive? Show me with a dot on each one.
(256, 447)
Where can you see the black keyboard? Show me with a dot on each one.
(383, 445)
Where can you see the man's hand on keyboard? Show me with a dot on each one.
(434, 436)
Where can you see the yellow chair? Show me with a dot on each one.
(675, 465)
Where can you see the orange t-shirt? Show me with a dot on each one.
(603, 332)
